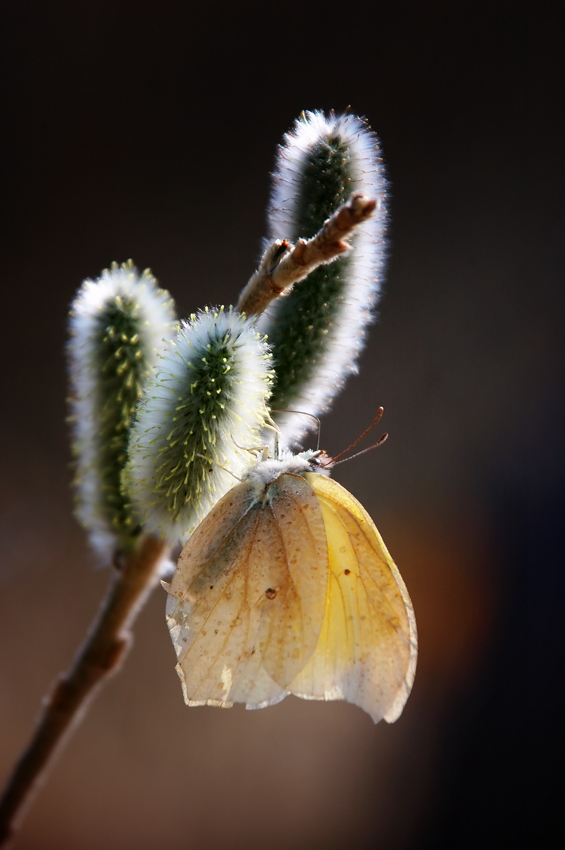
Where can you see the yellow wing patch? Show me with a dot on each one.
(247, 601)
(367, 650)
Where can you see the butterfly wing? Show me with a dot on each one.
(244, 614)
(368, 646)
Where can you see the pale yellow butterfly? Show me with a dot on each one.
(286, 587)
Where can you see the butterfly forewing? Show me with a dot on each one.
(243, 616)
(367, 649)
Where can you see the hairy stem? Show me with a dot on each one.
(100, 656)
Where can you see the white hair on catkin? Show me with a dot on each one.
(200, 414)
(336, 353)
(150, 312)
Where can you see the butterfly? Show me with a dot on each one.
(286, 587)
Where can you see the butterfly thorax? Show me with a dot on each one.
(264, 472)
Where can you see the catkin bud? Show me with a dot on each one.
(200, 414)
(117, 325)
(317, 331)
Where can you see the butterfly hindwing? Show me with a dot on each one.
(367, 649)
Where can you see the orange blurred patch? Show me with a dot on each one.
(449, 577)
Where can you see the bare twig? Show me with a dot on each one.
(283, 264)
(100, 656)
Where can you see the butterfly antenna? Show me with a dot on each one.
(375, 422)
(303, 413)
(362, 452)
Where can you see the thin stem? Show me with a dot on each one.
(100, 656)
(284, 264)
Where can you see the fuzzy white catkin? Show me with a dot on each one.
(200, 414)
(106, 374)
(303, 190)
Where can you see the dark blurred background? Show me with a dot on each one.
(148, 130)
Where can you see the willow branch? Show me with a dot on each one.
(100, 657)
(284, 264)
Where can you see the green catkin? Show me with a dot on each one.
(200, 414)
(122, 368)
(117, 324)
(307, 313)
(185, 460)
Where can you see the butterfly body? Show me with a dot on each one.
(286, 587)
